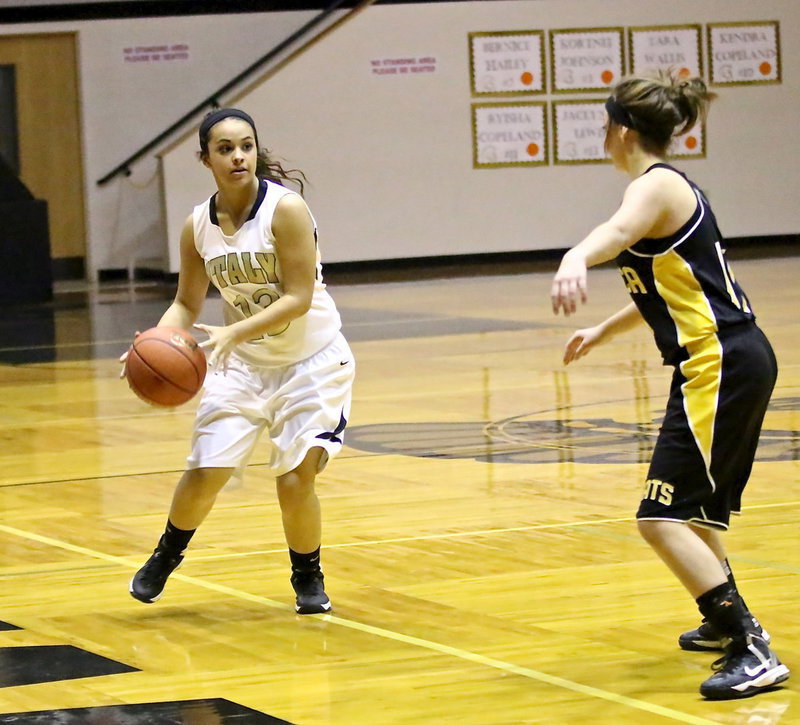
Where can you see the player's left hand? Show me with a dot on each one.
(569, 284)
(581, 342)
(221, 341)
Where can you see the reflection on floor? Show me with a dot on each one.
(98, 321)
(82, 322)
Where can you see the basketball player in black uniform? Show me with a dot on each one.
(669, 250)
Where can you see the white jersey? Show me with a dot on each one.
(244, 268)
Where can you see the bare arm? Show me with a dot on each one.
(192, 284)
(582, 341)
(192, 288)
(643, 208)
(625, 319)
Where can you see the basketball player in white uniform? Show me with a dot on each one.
(279, 366)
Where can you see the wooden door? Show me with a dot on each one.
(48, 124)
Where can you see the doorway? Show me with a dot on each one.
(48, 138)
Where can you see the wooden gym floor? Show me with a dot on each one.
(479, 541)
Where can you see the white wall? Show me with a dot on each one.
(124, 105)
(390, 157)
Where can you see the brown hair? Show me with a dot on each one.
(660, 107)
(266, 166)
(269, 168)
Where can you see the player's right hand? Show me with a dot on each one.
(124, 357)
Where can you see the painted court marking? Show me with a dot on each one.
(466, 655)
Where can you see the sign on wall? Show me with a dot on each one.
(164, 53)
(587, 59)
(590, 61)
(579, 132)
(509, 134)
(507, 62)
(689, 145)
(673, 47)
(403, 65)
(744, 53)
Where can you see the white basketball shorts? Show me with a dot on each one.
(300, 406)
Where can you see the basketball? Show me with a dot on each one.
(165, 366)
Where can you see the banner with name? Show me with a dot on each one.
(579, 132)
(507, 62)
(744, 53)
(586, 59)
(672, 47)
(509, 134)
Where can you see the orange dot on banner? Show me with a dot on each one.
(526, 78)
(765, 68)
(533, 149)
(607, 76)
(684, 73)
(691, 143)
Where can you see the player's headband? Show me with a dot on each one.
(213, 118)
(622, 118)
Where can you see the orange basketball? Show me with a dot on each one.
(165, 366)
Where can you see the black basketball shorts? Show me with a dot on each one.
(707, 443)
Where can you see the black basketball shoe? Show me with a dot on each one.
(148, 583)
(744, 671)
(309, 586)
(706, 639)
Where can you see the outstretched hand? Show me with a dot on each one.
(221, 341)
(569, 284)
(581, 342)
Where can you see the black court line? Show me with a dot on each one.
(53, 663)
(180, 712)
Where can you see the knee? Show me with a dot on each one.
(663, 535)
(294, 489)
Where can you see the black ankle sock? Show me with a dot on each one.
(724, 609)
(305, 562)
(175, 540)
(726, 567)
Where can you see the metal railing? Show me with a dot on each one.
(212, 101)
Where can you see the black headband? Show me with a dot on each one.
(213, 118)
(618, 114)
(623, 118)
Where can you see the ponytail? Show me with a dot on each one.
(660, 108)
(269, 168)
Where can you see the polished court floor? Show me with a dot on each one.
(479, 541)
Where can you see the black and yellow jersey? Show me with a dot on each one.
(682, 284)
